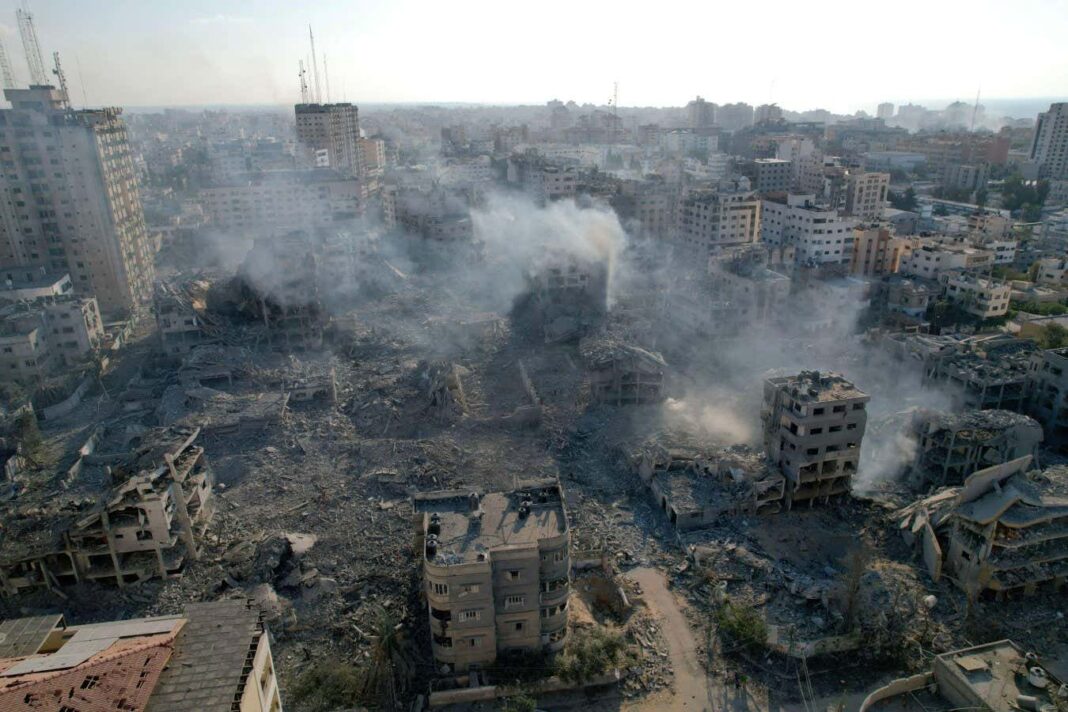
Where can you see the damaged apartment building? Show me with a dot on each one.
(567, 296)
(695, 484)
(813, 426)
(951, 446)
(496, 572)
(151, 505)
(1005, 530)
(622, 373)
(278, 285)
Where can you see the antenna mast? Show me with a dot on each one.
(58, 71)
(34, 58)
(303, 83)
(326, 76)
(315, 67)
(5, 68)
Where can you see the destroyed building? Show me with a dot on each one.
(1048, 389)
(278, 286)
(696, 484)
(151, 507)
(992, 677)
(813, 426)
(182, 318)
(496, 571)
(214, 657)
(1004, 530)
(952, 446)
(622, 373)
(986, 374)
(568, 296)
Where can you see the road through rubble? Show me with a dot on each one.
(691, 682)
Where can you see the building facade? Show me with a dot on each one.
(1049, 148)
(335, 130)
(70, 198)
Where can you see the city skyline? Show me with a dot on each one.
(231, 53)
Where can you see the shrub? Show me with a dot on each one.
(590, 653)
(742, 625)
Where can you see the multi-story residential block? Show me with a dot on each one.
(768, 113)
(700, 114)
(1048, 391)
(496, 570)
(965, 176)
(70, 197)
(26, 354)
(813, 426)
(818, 233)
(333, 129)
(876, 251)
(278, 202)
(865, 194)
(28, 284)
(884, 111)
(978, 296)
(433, 215)
(1052, 271)
(1049, 148)
(930, 259)
(543, 180)
(773, 175)
(651, 203)
(733, 117)
(710, 220)
(373, 153)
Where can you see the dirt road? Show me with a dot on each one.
(691, 683)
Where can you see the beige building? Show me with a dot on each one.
(978, 296)
(69, 199)
(332, 131)
(930, 259)
(1052, 271)
(813, 426)
(496, 568)
(876, 251)
(712, 220)
(865, 194)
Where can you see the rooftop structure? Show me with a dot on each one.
(496, 569)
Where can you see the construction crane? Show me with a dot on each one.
(315, 67)
(62, 78)
(303, 83)
(326, 76)
(5, 68)
(34, 58)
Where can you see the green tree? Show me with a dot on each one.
(1055, 336)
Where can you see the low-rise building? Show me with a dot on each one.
(214, 657)
(929, 259)
(813, 426)
(29, 284)
(496, 572)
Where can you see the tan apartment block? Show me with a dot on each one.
(496, 571)
(813, 426)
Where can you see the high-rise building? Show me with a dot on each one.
(700, 114)
(70, 200)
(710, 220)
(884, 111)
(865, 194)
(332, 131)
(734, 116)
(819, 234)
(768, 113)
(1049, 149)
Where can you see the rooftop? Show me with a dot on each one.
(471, 525)
(814, 386)
(999, 674)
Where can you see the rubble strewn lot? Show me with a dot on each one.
(315, 455)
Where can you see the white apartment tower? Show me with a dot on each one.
(70, 200)
(333, 131)
(1049, 148)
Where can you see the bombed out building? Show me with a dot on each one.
(567, 296)
(813, 426)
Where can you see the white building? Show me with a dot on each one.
(1049, 148)
(818, 234)
(930, 259)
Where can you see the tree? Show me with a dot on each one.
(981, 196)
(1055, 336)
(903, 201)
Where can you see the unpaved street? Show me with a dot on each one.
(691, 683)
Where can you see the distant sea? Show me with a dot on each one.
(1026, 108)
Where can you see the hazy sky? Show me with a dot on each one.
(837, 54)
